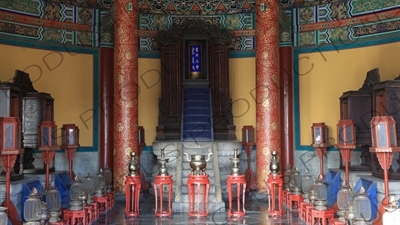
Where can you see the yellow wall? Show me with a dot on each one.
(242, 83)
(149, 92)
(324, 76)
(67, 77)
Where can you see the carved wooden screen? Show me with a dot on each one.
(171, 78)
(219, 84)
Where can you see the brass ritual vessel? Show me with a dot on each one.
(235, 161)
(198, 163)
(163, 164)
(134, 165)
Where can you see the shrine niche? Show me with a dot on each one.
(35, 108)
(357, 106)
(194, 61)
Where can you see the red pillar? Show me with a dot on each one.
(125, 88)
(286, 95)
(106, 107)
(267, 87)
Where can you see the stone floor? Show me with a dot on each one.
(256, 214)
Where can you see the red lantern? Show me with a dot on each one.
(48, 145)
(10, 147)
(70, 142)
(320, 143)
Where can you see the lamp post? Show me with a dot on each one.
(70, 142)
(346, 136)
(10, 147)
(320, 143)
(248, 143)
(384, 144)
(48, 145)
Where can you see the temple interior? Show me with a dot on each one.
(199, 112)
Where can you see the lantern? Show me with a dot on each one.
(75, 192)
(362, 208)
(295, 181)
(10, 147)
(47, 145)
(392, 212)
(88, 185)
(10, 138)
(346, 135)
(320, 143)
(319, 134)
(33, 207)
(286, 177)
(70, 142)
(48, 135)
(321, 194)
(306, 184)
(344, 196)
(108, 178)
(384, 144)
(53, 201)
(100, 184)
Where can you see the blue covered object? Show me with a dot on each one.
(332, 180)
(370, 188)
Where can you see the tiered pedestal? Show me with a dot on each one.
(102, 202)
(302, 210)
(198, 188)
(308, 217)
(111, 197)
(132, 194)
(95, 207)
(324, 216)
(240, 182)
(89, 214)
(75, 216)
(294, 201)
(275, 183)
(159, 183)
